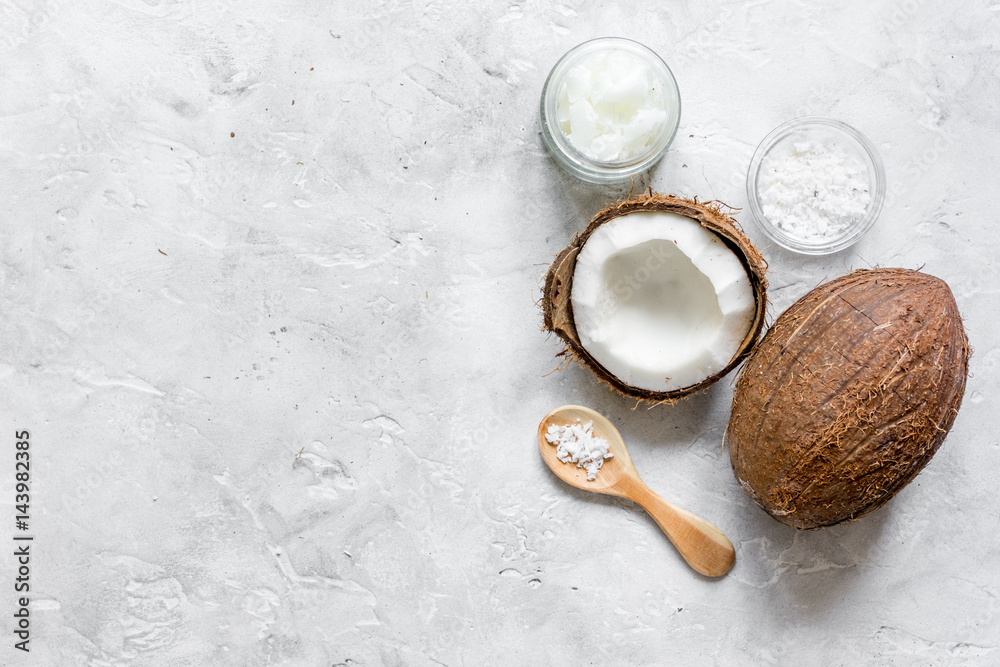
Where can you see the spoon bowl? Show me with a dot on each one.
(613, 469)
(701, 544)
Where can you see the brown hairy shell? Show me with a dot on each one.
(848, 396)
(558, 309)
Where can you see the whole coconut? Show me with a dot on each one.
(848, 396)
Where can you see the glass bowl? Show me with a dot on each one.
(848, 139)
(573, 159)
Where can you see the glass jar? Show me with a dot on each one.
(833, 132)
(572, 158)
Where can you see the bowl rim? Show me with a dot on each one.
(572, 158)
(859, 229)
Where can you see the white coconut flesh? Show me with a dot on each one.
(660, 301)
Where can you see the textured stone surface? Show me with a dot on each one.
(283, 385)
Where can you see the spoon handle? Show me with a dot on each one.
(702, 545)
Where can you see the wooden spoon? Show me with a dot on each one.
(702, 545)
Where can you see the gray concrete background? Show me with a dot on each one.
(268, 275)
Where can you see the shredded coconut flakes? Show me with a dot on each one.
(815, 191)
(576, 443)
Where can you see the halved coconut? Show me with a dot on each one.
(659, 296)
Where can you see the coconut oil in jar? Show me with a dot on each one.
(609, 109)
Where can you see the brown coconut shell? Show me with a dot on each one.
(557, 306)
(848, 396)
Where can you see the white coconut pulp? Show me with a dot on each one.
(659, 301)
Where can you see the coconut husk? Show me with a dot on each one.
(848, 396)
(557, 306)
